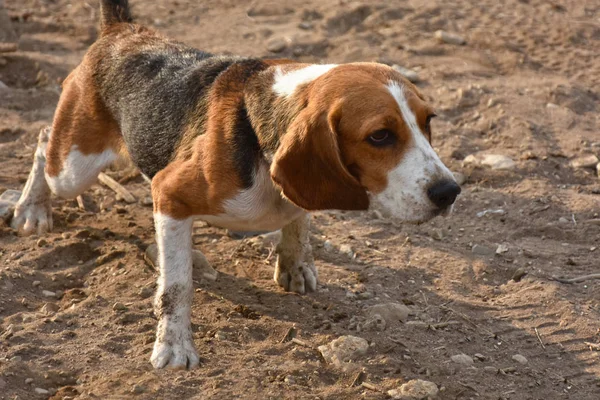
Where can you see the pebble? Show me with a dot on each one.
(409, 74)
(589, 161)
(490, 369)
(146, 292)
(450, 38)
(462, 359)
(416, 389)
(49, 308)
(347, 250)
(328, 246)
(146, 201)
(42, 242)
(365, 295)
(289, 380)
(520, 359)
(220, 335)
(3, 85)
(119, 307)
(390, 312)
(375, 323)
(483, 250)
(479, 356)
(305, 25)
(48, 293)
(494, 161)
(502, 248)
(459, 177)
(343, 349)
(563, 220)
(598, 170)
(8, 199)
(41, 391)
(138, 389)
(276, 45)
(36, 283)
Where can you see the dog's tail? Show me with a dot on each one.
(114, 12)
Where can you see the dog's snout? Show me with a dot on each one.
(443, 193)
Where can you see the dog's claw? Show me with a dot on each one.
(299, 278)
(175, 355)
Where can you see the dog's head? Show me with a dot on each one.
(362, 141)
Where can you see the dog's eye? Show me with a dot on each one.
(381, 138)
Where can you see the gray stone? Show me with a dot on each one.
(588, 161)
(450, 38)
(462, 359)
(409, 74)
(459, 177)
(41, 391)
(520, 359)
(347, 250)
(375, 323)
(483, 250)
(50, 308)
(138, 389)
(48, 293)
(8, 200)
(494, 161)
(415, 389)
(490, 369)
(344, 349)
(277, 45)
(392, 313)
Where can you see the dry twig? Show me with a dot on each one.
(577, 279)
(117, 187)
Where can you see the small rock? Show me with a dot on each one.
(490, 369)
(589, 161)
(49, 308)
(36, 283)
(28, 381)
(494, 161)
(375, 323)
(138, 389)
(520, 359)
(450, 38)
(462, 359)
(145, 292)
(563, 221)
(459, 177)
(391, 312)
(502, 248)
(409, 74)
(41, 391)
(3, 85)
(518, 275)
(347, 250)
(491, 103)
(483, 250)
(220, 335)
(48, 293)
(479, 356)
(146, 201)
(598, 170)
(277, 45)
(8, 200)
(343, 349)
(305, 25)
(365, 296)
(415, 389)
(119, 307)
(289, 380)
(328, 246)
(42, 242)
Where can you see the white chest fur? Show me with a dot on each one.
(260, 207)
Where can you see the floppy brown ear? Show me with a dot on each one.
(309, 169)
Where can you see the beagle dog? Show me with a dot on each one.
(242, 143)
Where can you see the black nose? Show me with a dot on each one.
(443, 193)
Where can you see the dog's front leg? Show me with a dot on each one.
(174, 346)
(295, 270)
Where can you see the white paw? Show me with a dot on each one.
(31, 217)
(300, 278)
(179, 354)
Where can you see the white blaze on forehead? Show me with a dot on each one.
(287, 83)
(406, 194)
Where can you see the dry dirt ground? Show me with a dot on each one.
(525, 85)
